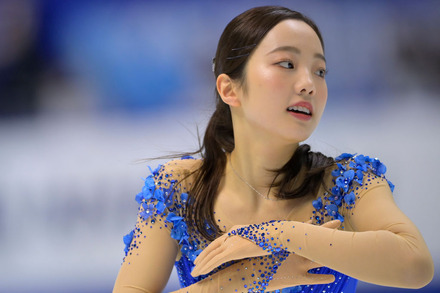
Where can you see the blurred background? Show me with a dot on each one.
(88, 88)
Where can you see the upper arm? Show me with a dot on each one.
(364, 197)
(376, 210)
(149, 261)
(150, 248)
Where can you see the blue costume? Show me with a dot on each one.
(163, 200)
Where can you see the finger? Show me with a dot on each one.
(303, 262)
(332, 224)
(284, 281)
(202, 265)
(211, 247)
(231, 248)
(214, 245)
(319, 278)
(215, 258)
(208, 266)
(313, 265)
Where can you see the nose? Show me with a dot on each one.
(305, 85)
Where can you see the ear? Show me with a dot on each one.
(228, 90)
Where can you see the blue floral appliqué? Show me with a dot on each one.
(155, 171)
(156, 198)
(179, 230)
(317, 204)
(180, 233)
(391, 185)
(147, 190)
(148, 211)
(347, 176)
(127, 241)
(343, 182)
(187, 158)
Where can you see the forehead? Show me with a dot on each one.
(291, 32)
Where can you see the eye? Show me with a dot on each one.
(286, 64)
(321, 72)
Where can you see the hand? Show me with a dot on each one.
(227, 248)
(223, 249)
(292, 272)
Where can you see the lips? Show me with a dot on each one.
(301, 108)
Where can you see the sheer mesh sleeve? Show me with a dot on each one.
(382, 245)
(151, 247)
(351, 178)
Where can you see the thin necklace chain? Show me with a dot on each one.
(248, 184)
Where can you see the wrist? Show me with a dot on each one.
(266, 235)
(292, 236)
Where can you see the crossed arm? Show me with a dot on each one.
(147, 267)
(384, 247)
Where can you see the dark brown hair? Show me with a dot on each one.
(237, 42)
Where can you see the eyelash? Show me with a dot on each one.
(323, 72)
(286, 61)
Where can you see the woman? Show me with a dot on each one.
(260, 210)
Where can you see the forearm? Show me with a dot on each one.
(252, 274)
(380, 257)
(130, 289)
(258, 274)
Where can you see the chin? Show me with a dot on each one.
(297, 139)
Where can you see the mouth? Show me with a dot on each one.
(300, 110)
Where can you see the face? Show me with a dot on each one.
(285, 92)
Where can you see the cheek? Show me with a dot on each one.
(322, 97)
(266, 79)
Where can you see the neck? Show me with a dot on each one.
(253, 162)
(257, 151)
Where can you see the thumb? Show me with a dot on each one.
(319, 278)
(332, 224)
(279, 282)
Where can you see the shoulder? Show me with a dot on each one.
(163, 197)
(358, 170)
(174, 172)
(348, 180)
(167, 185)
(179, 167)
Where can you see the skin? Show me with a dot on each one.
(266, 134)
(287, 67)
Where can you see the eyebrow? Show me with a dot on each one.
(296, 51)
